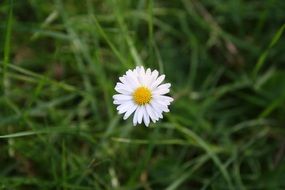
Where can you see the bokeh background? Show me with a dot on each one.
(61, 59)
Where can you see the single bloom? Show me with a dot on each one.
(142, 94)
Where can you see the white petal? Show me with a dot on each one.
(135, 118)
(156, 109)
(166, 103)
(123, 89)
(126, 82)
(142, 71)
(147, 80)
(163, 98)
(151, 113)
(124, 107)
(123, 86)
(140, 114)
(132, 79)
(157, 82)
(117, 102)
(137, 70)
(153, 76)
(160, 106)
(123, 79)
(145, 117)
(166, 85)
(148, 72)
(130, 111)
(122, 97)
(158, 112)
(142, 79)
(159, 91)
(139, 74)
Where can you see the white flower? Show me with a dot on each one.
(141, 92)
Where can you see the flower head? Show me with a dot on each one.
(141, 92)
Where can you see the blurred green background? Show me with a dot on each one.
(60, 61)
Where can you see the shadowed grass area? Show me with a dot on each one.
(60, 61)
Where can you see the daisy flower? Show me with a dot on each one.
(142, 94)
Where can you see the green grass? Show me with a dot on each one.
(60, 61)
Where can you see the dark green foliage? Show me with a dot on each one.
(60, 61)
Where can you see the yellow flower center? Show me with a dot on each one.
(142, 95)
